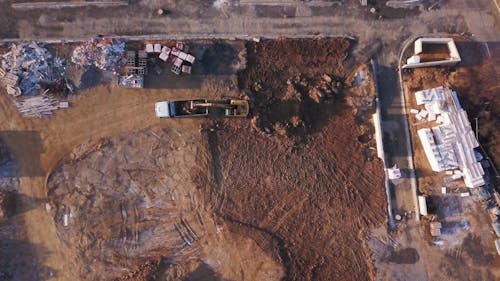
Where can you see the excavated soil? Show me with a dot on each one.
(295, 84)
(315, 197)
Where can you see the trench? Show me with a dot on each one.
(213, 147)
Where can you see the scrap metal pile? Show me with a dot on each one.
(106, 54)
(27, 66)
(26, 70)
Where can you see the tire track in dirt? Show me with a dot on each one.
(306, 163)
(218, 184)
(95, 113)
(283, 252)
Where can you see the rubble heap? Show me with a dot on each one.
(26, 66)
(37, 106)
(106, 54)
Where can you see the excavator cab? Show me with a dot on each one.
(237, 108)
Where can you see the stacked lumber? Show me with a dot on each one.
(37, 106)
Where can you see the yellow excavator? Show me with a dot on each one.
(232, 108)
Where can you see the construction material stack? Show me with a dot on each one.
(136, 68)
(178, 56)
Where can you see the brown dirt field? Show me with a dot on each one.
(292, 187)
(281, 75)
(315, 195)
(130, 200)
(316, 199)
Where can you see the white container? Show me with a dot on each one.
(422, 205)
(65, 219)
(157, 48)
(182, 55)
(190, 58)
(164, 56)
(166, 49)
(149, 48)
(178, 62)
(465, 194)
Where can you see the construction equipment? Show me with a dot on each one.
(232, 108)
(200, 107)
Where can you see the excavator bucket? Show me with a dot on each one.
(239, 108)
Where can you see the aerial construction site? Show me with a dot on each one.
(233, 152)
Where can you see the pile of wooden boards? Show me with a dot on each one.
(37, 106)
(9, 81)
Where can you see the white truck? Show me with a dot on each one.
(180, 108)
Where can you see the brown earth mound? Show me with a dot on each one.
(295, 84)
(128, 200)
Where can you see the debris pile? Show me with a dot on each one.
(106, 54)
(38, 106)
(131, 81)
(27, 66)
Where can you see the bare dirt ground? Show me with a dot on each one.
(131, 201)
(315, 194)
(287, 194)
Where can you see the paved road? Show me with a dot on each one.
(396, 140)
(284, 17)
